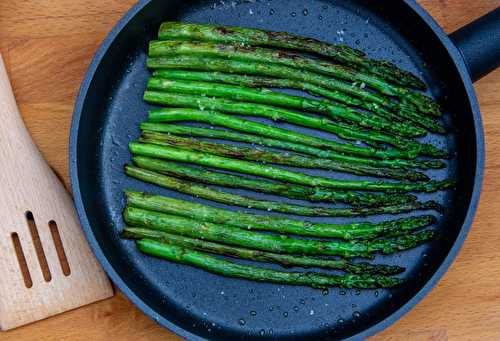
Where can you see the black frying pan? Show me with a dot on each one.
(198, 305)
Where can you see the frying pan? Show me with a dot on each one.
(199, 305)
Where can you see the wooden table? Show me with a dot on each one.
(48, 44)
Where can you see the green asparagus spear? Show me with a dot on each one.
(249, 221)
(267, 242)
(238, 35)
(285, 139)
(292, 191)
(336, 96)
(407, 112)
(276, 114)
(345, 92)
(337, 112)
(280, 114)
(243, 201)
(256, 54)
(362, 268)
(276, 173)
(315, 83)
(229, 269)
(267, 156)
(226, 268)
(252, 81)
(171, 115)
(258, 81)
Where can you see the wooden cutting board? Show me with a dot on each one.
(48, 45)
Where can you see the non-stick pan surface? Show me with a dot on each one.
(197, 304)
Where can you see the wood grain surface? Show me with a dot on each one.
(48, 45)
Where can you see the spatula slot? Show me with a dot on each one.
(42, 259)
(21, 259)
(61, 254)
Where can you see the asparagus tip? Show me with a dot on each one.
(433, 205)
(430, 219)
(432, 164)
(368, 268)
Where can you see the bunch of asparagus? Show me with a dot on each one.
(209, 73)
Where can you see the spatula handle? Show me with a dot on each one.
(14, 137)
(6, 94)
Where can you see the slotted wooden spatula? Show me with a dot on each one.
(46, 266)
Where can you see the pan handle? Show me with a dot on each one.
(479, 43)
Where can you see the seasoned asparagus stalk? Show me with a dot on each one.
(259, 81)
(267, 156)
(276, 173)
(345, 92)
(243, 201)
(261, 256)
(256, 54)
(292, 191)
(279, 114)
(282, 225)
(249, 36)
(272, 243)
(282, 138)
(229, 269)
(336, 88)
(337, 112)
(245, 80)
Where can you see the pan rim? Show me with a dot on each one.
(391, 319)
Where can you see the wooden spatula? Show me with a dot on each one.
(46, 266)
